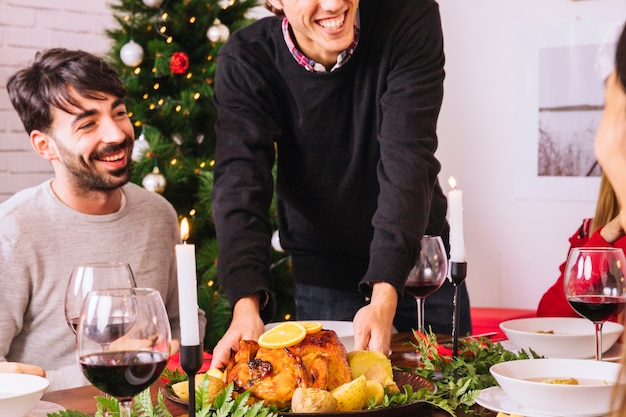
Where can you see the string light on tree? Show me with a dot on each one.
(218, 32)
(177, 139)
(131, 54)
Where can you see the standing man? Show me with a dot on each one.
(72, 105)
(346, 95)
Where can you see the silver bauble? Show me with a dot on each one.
(153, 3)
(218, 32)
(131, 54)
(140, 147)
(154, 181)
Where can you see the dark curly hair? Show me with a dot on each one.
(52, 78)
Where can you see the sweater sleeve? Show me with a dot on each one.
(243, 181)
(407, 170)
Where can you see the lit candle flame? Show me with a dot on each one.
(184, 229)
(452, 182)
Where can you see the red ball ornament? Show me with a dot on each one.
(179, 62)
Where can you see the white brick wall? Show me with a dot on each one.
(27, 26)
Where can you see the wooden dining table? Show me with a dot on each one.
(82, 398)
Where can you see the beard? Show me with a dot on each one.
(85, 174)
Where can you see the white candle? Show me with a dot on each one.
(187, 289)
(455, 218)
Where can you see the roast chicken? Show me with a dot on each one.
(272, 375)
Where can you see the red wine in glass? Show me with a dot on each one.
(593, 283)
(421, 291)
(597, 308)
(123, 340)
(426, 277)
(93, 276)
(123, 374)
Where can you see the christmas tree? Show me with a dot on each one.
(166, 54)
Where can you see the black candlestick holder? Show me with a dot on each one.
(458, 271)
(191, 362)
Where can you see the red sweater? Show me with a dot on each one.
(553, 302)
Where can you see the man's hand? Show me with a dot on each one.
(21, 368)
(246, 325)
(373, 323)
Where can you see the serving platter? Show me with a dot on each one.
(400, 377)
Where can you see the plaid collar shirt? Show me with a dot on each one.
(311, 65)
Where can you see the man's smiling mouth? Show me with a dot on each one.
(332, 24)
(114, 157)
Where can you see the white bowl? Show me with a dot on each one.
(572, 337)
(522, 382)
(19, 393)
(344, 330)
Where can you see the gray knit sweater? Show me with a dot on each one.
(41, 239)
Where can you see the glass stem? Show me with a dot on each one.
(598, 340)
(420, 314)
(125, 407)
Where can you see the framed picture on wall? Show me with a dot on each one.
(562, 68)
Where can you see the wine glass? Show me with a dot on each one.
(93, 276)
(594, 285)
(134, 324)
(426, 277)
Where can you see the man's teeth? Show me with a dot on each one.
(114, 157)
(332, 24)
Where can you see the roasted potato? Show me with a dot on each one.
(360, 361)
(215, 386)
(375, 390)
(313, 400)
(380, 374)
(351, 395)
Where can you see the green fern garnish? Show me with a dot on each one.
(459, 379)
(223, 406)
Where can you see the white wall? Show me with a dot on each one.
(27, 26)
(514, 244)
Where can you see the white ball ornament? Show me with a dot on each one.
(224, 4)
(218, 32)
(140, 147)
(153, 3)
(276, 242)
(155, 181)
(131, 54)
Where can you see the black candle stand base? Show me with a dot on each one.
(191, 362)
(458, 272)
